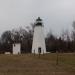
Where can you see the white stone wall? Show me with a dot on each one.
(38, 40)
(17, 48)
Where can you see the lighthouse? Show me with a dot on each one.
(38, 45)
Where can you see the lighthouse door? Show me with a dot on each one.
(39, 49)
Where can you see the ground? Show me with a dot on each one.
(28, 64)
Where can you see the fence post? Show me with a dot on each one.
(57, 58)
(34, 52)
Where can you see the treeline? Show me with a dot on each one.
(23, 36)
(54, 44)
(63, 43)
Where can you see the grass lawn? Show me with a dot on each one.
(28, 64)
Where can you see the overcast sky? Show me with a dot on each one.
(57, 15)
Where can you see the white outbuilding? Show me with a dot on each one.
(38, 45)
(17, 48)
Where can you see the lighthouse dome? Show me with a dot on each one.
(38, 22)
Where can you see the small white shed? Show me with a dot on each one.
(17, 48)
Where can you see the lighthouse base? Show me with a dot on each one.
(39, 50)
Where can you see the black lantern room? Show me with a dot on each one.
(38, 22)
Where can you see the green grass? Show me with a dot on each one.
(28, 64)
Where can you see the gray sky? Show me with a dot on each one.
(57, 15)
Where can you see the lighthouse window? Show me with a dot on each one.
(39, 49)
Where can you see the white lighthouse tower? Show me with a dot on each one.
(38, 45)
